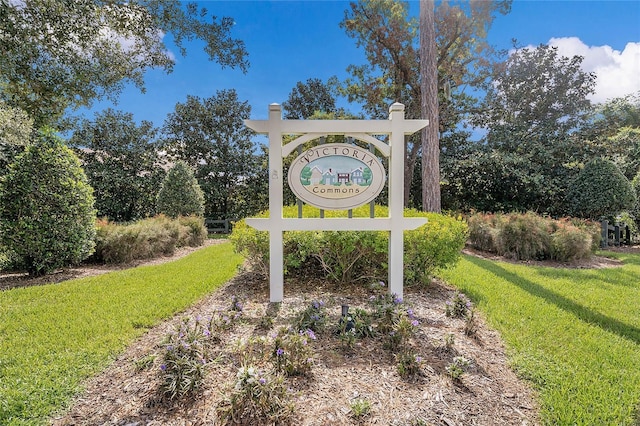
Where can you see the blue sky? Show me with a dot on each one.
(291, 41)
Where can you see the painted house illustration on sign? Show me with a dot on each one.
(335, 171)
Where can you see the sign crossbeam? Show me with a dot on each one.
(396, 128)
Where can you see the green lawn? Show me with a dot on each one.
(574, 333)
(54, 336)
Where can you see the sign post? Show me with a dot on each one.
(338, 176)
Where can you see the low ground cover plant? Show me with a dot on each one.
(352, 256)
(147, 238)
(528, 236)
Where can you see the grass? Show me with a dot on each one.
(574, 333)
(52, 337)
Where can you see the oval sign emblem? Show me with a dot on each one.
(336, 176)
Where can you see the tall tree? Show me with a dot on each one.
(429, 102)
(60, 54)
(122, 164)
(388, 35)
(537, 102)
(308, 98)
(210, 136)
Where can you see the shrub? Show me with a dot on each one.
(347, 256)
(483, 230)
(570, 243)
(148, 238)
(524, 237)
(47, 218)
(528, 236)
(600, 190)
(180, 194)
(409, 365)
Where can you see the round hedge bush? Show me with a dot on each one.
(600, 190)
(47, 216)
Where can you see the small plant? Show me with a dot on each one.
(186, 353)
(236, 304)
(397, 340)
(292, 354)
(360, 408)
(256, 398)
(348, 338)
(409, 365)
(144, 363)
(314, 317)
(470, 325)
(457, 367)
(224, 320)
(458, 306)
(449, 341)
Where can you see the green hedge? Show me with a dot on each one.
(148, 238)
(348, 256)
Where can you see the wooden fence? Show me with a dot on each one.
(219, 226)
(614, 235)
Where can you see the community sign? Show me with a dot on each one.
(337, 176)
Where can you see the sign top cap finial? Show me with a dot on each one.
(396, 106)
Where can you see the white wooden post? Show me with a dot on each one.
(396, 127)
(396, 200)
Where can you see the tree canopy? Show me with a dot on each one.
(389, 37)
(180, 194)
(210, 136)
(55, 55)
(121, 161)
(305, 99)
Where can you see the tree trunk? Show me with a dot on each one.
(429, 85)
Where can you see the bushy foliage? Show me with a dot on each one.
(347, 256)
(180, 194)
(47, 218)
(532, 237)
(147, 238)
(483, 231)
(600, 190)
(524, 236)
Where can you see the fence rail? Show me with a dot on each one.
(219, 226)
(614, 235)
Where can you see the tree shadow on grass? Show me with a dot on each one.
(587, 315)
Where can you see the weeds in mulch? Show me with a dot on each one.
(360, 408)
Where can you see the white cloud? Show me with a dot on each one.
(617, 73)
